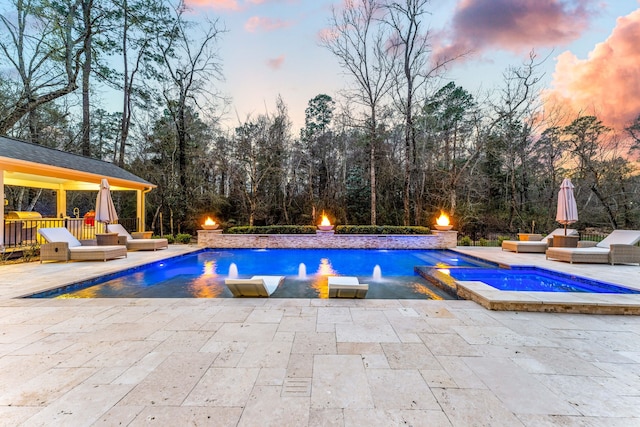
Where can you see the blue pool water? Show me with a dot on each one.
(202, 274)
(535, 280)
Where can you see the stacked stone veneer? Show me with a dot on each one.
(437, 240)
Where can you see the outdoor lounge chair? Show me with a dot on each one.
(257, 286)
(536, 246)
(619, 247)
(137, 244)
(346, 287)
(63, 246)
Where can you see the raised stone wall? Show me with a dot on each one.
(437, 240)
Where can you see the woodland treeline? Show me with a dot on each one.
(400, 144)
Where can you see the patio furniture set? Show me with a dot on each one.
(619, 247)
(63, 246)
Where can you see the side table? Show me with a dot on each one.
(562, 241)
(527, 237)
(107, 239)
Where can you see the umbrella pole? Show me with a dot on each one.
(565, 229)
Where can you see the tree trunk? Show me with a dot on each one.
(86, 74)
(34, 133)
(408, 147)
(373, 184)
(126, 87)
(372, 168)
(605, 205)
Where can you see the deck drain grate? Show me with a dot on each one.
(296, 387)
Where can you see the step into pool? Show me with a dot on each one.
(529, 279)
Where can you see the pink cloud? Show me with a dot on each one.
(515, 25)
(326, 34)
(216, 4)
(275, 63)
(607, 83)
(233, 5)
(259, 23)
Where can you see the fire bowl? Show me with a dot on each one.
(325, 227)
(443, 227)
(210, 226)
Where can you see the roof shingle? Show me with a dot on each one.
(27, 151)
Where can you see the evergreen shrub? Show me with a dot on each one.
(340, 229)
(465, 241)
(183, 238)
(273, 229)
(381, 229)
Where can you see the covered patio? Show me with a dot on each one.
(23, 164)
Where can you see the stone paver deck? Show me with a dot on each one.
(297, 362)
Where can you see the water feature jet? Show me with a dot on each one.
(302, 271)
(233, 271)
(377, 272)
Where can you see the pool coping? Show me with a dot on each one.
(24, 279)
(547, 302)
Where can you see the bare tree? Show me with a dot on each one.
(44, 51)
(189, 64)
(587, 139)
(410, 43)
(514, 121)
(359, 43)
(141, 21)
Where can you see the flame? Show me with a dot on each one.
(443, 219)
(209, 221)
(320, 284)
(209, 268)
(325, 268)
(325, 220)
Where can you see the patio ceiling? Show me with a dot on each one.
(65, 179)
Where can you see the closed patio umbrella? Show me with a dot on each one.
(567, 208)
(105, 209)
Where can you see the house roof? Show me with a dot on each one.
(37, 160)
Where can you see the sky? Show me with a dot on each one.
(272, 48)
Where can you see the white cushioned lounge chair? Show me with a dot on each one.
(535, 246)
(346, 287)
(63, 246)
(137, 244)
(257, 286)
(619, 247)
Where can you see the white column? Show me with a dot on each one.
(140, 209)
(61, 202)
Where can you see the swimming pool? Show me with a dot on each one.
(533, 279)
(389, 273)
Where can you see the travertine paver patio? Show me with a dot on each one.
(285, 362)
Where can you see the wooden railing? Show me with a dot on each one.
(24, 232)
